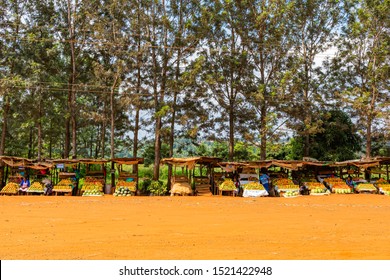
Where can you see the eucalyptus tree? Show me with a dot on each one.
(360, 71)
(315, 24)
(265, 27)
(226, 67)
(11, 31)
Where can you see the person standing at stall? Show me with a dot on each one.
(264, 179)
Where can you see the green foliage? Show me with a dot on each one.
(157, 188)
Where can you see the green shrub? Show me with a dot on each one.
(157, 188)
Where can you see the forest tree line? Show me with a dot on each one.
(119, 77)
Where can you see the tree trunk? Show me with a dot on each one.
(138, 90)
(263, 132)
(231, 131)
(67, 136)
(103, 135)
(6, 109)
(39, 126)
(30, 144)
(368, 137)
(113, 115)
(72, 80)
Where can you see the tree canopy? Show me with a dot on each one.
(236, 79)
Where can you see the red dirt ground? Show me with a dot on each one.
(195, 228)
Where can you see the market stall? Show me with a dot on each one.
(196, 176)
(231, 182)
(126, 180)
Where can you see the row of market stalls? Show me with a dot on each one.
(212, 176)
(67, 176)
(193, 176)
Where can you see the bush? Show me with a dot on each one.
(143, 185)
(157, 188)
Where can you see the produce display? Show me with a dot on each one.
(122, 191)
(253, 186)
(288, 187)
(93, 192)
(341, 188)
(342, 191)
(366, 187)
(381, 181)
(384, 187)
(318, 190)
(227, 185)
(314, 185)
(65, 185)
(282, 181)
(36, 187)
(130, 185)
(291, 194)
(333, 181)
(10, 188)
(89, 186)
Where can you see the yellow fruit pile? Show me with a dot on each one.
(130, 185)
(385, 187)
(314, 185)
(366, 187)
(65, 182)
(36, 187)
(92, 186)
(341, 188)
(333, 181)
(227, 185)
(253, 186)
(282, 181)
(10, 188)
(288, 187)
(381, 181)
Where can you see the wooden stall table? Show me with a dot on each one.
(228, 192)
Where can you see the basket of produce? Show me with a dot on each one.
(10, 188)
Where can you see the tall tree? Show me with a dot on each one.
(226, 65)
(314, 25)
(360, 71)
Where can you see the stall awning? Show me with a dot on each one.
(190, 162)
(128, 161)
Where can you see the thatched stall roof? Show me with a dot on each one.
(360, 163)
(128, 161)
(16, 161)
(190, 162)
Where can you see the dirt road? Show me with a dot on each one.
(195, 228)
